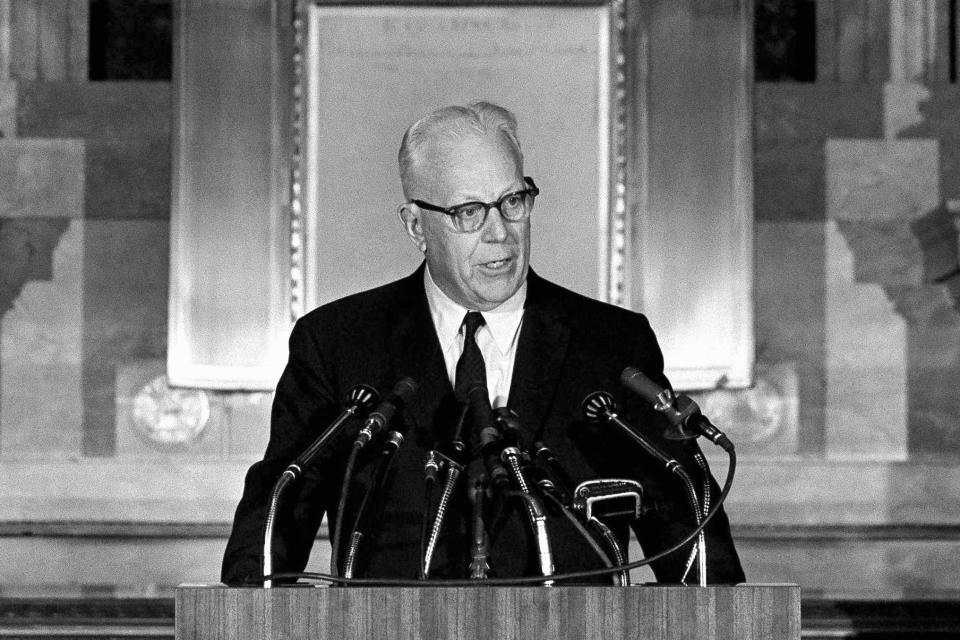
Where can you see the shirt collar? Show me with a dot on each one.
(502, 321)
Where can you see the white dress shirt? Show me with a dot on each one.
(497, 338)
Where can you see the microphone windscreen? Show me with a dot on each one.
(636, 381)
(362, 396)
(404, 390)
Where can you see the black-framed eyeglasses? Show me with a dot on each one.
(470, 216)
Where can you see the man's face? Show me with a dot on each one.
(481, 269)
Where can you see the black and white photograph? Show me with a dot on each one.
(480, 319)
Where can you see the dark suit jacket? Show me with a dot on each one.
(569, 345)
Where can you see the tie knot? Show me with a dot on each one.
(471, 322)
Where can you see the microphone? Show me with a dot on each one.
(681, 411)
(600, 406)
(379, 417)
(360, 398)
(500, 432)
(478, 399)
(560, 479)
(507, 420)
(484, 434)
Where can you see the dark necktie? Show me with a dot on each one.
(471, 370)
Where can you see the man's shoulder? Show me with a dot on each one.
(579, 308)
(371, 303)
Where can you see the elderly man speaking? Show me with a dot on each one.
(473, 325)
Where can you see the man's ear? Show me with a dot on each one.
(413, 224)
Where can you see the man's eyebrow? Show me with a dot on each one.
(505, 192)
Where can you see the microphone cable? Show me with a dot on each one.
(341, 507)
(377, 480)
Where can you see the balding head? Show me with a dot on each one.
(457, 156)
(424, 140)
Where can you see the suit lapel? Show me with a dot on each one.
(415, 352)
(541, 351)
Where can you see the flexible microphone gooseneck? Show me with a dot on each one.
(449, 457)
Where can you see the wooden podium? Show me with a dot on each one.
(743, 612)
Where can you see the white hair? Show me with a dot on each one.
(455, 122)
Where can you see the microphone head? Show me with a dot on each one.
(596, 405)
(634, 379)
(478, 392)
(362, 396)
(404, 390)
(507, 418)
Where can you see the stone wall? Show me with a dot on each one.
(85, 448)
(850, 461)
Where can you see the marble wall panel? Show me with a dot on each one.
(5, 38)
(791, 123)
(918, 49)
(788, 112)
(866, 363)
(790, 491)
(41, 178)
(247, 416)
(143, 567)
(41, 403)
(8, 108)
(26, 253)
(939, 111)
(790, 187)
(128, 179)
(886, 252)
(901, 106)
(49, 39)
(938, 233)
(125, 280)
(880, 569)
(882, 180)
(137, 490)
(933, 322)
(789, 315)
(934, 326)
(100, 110)
(881, 193)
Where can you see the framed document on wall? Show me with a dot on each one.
(634, 120)
(370, 71)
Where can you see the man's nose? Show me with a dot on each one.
(495, 226)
